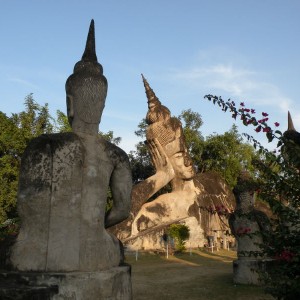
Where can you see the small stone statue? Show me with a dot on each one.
(62, 195)
(248, 225)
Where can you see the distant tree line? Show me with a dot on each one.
(224, 153)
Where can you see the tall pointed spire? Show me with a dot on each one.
(149, 92)
(90, 47)
(290, 123)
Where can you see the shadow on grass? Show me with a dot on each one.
(201, 275)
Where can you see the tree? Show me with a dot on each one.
(34, 120)
(180, 233)
(62, 121)
(228, 155)
(140, 160)
(16, 132)
(12, 145)
(279, 187)
(191, 123)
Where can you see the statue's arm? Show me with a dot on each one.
(142, 191)
(121, 186)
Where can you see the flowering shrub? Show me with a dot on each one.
(279, 186)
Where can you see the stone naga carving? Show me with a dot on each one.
(64, 180)
(167, 146)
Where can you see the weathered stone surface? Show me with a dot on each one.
(246, 271)
(62, 199)
(110, 284)
(190, 192)
(248, 225)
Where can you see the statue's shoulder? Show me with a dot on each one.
(115, 154)
(49, 142)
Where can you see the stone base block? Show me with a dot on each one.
(246, 271)
(108, 285)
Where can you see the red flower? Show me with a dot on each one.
(267, 129)
(242, 104)
(252, 111)
(285, 255)
(247, 110)
(276, 124)
(264, 114)
(258, 128)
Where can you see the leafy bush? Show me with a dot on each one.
(180, 233)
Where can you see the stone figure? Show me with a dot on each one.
(167, 147)
(63, 187)
(248, 225)
(291, 147)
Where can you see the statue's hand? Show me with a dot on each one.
(159, 158)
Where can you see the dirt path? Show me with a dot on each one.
(201, 275)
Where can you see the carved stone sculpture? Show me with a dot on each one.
(248, 225)
(167, 147)
(62, 197)
(291, 148)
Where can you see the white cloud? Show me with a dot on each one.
(239, 83)
(23, 82)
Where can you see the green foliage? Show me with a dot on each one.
(180, 233)
(191, 123)
(279, 186)
(228, 155)
(62, 121)
(12, 145)
(109, 136)
(140, 160)
(34, 120)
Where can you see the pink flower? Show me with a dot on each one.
(285, 255)
(247, 110)
(242, 104)
(276, 124)
(252, 111)
(264, 114)
(267, 129)
(258, 128)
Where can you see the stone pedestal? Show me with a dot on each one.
(246, 271)
(113, 284)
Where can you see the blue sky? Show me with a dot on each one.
(244, 50)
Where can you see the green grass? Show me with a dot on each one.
(202, 275)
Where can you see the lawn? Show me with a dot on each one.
(189, 276)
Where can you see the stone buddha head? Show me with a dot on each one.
(86, 88)
(168, 131)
